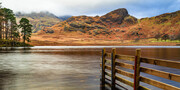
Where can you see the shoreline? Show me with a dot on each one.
(48, 43)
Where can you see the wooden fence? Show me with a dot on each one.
(137, 59)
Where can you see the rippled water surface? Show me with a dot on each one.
(65, 68)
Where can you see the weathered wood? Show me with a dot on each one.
(145, 80)
(125, 57)
(106, 67)
(103, 66)
(131, 75)
(165, 63)
(122, 57)
(124, 81)
(137, 69)
(125, 73)
(124, 65)
(108, 79)
(108, 55)
(108, 74)
(121, 86)
(113, 58)
(162, 74)
(107, 83)
(154, 72)
(108, 61)
(158, 84)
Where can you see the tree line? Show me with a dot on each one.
(10, 30)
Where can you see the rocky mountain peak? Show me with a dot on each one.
(120, 11)
(117, 16)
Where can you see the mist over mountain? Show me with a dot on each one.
(65, 17)
(39, 20)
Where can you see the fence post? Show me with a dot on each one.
(103, 67)
(137, 69)
(113, 54)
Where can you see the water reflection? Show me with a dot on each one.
(6, 78)
(55, 68)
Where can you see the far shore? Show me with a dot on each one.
(110, 43)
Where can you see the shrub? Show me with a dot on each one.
(165, 37)
(157, 36)
(96, 31)
(136, 40)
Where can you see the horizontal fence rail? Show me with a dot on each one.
(137, 59)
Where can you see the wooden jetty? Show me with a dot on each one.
(112, 59)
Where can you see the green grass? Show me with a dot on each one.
(178, 22)
(155, 40)
(174, 41)
(168, 23)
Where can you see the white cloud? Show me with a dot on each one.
(89, 7)
(61, 7)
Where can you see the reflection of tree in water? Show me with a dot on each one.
(6, 79)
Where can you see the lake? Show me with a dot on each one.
(68, 67)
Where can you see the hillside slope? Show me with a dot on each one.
(168, 23)
(39, 20)
(94, 25)
(114, 27)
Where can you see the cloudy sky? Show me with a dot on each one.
(137, 8)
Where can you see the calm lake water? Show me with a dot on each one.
(69, 67)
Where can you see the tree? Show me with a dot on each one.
(165, 37)
(8, 18)
(8, 26)
(26, 29)
(14, 28)
(1, 22)
(157, 36)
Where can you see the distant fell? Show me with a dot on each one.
(65, 17)
(94, 25)
(39, 20)
(114, 27)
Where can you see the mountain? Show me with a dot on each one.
(168, 23)
(39, 20)
(114, 27)
(64, 17)
(95, 25)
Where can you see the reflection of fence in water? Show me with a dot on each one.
(137, 59)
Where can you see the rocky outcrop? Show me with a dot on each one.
(130, 20)
(116, 16)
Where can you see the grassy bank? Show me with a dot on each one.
(12, 43)
(146, 42)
